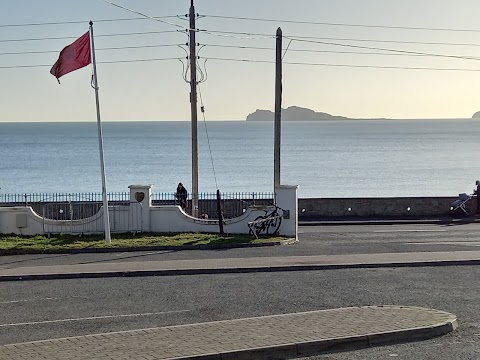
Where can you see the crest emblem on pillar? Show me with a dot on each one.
(139, 196)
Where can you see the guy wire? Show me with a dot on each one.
(202, 108)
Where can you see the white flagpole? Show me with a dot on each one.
(106, 216)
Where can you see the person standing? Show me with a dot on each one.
(182, 195)
(476, 191)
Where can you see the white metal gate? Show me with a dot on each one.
(87, 217)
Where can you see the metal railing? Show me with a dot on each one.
(86, 217)
(27, 199)
(233, 204)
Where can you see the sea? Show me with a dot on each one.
(326, 159)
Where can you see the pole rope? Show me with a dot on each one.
(202, 108)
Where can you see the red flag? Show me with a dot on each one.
(73, 57)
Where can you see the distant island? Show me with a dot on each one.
(297, 113)
(293, 113)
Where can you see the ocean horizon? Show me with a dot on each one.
(234, 120)
(326, 158)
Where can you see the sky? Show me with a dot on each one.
(360, 59)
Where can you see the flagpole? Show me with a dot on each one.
(106, 216)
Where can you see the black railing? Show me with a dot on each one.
(27, 199)
(232, 204)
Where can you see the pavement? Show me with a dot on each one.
(312, 221)
(14, 272)
(269, 337)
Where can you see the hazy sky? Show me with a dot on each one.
(327, 73)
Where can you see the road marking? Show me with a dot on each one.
(28, 300)
(40, 299)
(91, 318)
(464, 243)
(410, 230)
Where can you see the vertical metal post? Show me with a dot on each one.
(106, 215)
(220, 213)
(193, 106)
(278, 109)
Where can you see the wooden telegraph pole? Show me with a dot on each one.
(278, 110)
(193, 105)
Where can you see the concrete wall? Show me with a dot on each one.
(408, 207)
(140, 215)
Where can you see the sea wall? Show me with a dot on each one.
(140, 215)
(390, 207)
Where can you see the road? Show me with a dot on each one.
(36, 310)
(313, 240)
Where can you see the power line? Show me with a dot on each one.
(387, 41)
(383, 49)
(302, 39)
(98, 62)
(396, 52)
(96, 36)
(142, 14)
(341, 24)
(261, 61)
(146, 17)
(84, 21)
(400, 52)
(248, 36)
(344, 65)
(339, 39)
(244, 35)
(137, 60)
(97, 49)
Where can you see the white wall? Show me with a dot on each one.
(22, 220)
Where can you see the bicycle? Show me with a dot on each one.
(269, 224)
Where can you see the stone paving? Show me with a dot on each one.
(279, 336)
(14, 272)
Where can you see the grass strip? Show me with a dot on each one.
(127, 240)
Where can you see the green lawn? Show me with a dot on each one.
(63, 241)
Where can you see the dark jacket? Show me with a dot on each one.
(182, 193)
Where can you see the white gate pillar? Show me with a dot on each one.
(287, 199)
(141, 194)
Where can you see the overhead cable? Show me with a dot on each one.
(146, 17)
(96, 49)
(341, 24)
(250, 36)
(344, 65)
(262, 36)
(97, 36)
(261, 61)
(142, 14)
(384, 49)
(98, 62)
(84, 21)
(313, 51)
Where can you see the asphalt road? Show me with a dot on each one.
(36, 310)
(313, 240)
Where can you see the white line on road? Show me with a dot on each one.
(27, 300)
(91, 318)
(464, 243)
(410, 230)
(40, 299)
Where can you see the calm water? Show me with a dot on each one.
(360, 158)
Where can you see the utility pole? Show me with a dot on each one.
(193, 105)
(278, 110)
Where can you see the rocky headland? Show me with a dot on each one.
(293, 113)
